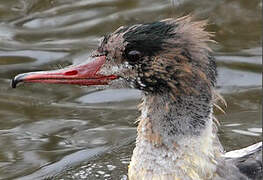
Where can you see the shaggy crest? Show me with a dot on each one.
(172, 55)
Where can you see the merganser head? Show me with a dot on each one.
(169, 55)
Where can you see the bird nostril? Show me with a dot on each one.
(71, 73)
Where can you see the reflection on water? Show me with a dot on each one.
(72, 132)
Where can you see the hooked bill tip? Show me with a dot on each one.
(16, 80)
(13, 83)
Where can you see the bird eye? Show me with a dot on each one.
(134, 55)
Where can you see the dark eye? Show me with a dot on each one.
(134, 55)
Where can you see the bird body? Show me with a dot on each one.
(171, 63)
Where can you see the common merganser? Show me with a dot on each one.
(171, 63)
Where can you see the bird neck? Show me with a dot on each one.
(176, 137)
(167, 120)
